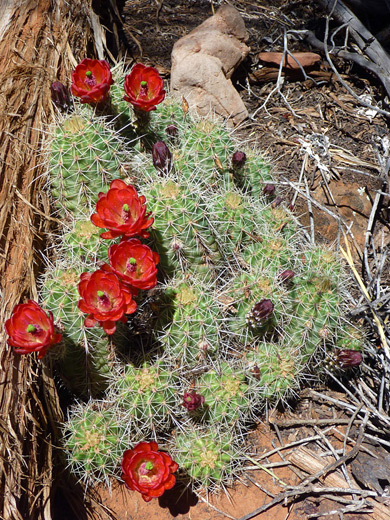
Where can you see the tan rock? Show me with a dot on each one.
(304, 59)
(204, 60)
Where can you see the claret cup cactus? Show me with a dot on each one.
(184, 289)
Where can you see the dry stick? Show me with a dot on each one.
(335, 455)
(216, 508)
(348, 256)
(265, 491)
(313, 422)
(291, 445)
(281, 497)
(350, 455)
(310, 209)
(310, 37)
(351, 407)
(278, 85)
(364, 39)
(372, 219)
(307, 489)
(328, 211)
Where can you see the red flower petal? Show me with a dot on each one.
(42, 334)
(150, 482)
(122, 212)
(144, 98)
(91, 81)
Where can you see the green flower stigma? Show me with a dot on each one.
(100, 294)
(31, 328)
(149, 465)
(88, 73)
(144, 84)
(125, 207)
(132, 261)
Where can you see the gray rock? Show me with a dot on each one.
(204, 60)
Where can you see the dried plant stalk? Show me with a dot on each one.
(311, 463)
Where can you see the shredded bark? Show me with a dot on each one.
(39, 42)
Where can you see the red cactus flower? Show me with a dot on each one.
(144, 87)
(148, 471)
(104, 299)
(134, 263)
(91, 81)
(122, 211)
(31, 329)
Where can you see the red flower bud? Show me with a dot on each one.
(30, 329)
(192, 401)
(104, 299)
(171, 130)
(286, 275)
(144, 87)
(162, 157)
(91, 81)
(348, 358)
(269, 190)
(134, 263)
(122, 211)
(260, 313)
(238, 160)
(148, 471)
(60, 96)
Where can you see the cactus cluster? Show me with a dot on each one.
(242, 307)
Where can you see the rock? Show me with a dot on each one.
(204, 60)
(304, 59)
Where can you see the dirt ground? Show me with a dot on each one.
(320, 139)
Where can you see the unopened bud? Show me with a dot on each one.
(348, 358)
(60, 96)
(238, 160)
(171, 130)
(162, 157)
(260, 313)
(286, 275)
(269, 190)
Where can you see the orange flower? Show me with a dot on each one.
(91, 81)
(30, 329)
(148, 471)
(122, 211)
(104, 299)
(144, 87)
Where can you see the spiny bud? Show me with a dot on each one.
(260, 313)
(60, 96)
(238, 160)
(192, 401)
(171, 130)
(269, 190)
(348, 358)
(162, 157)
(286, 275)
